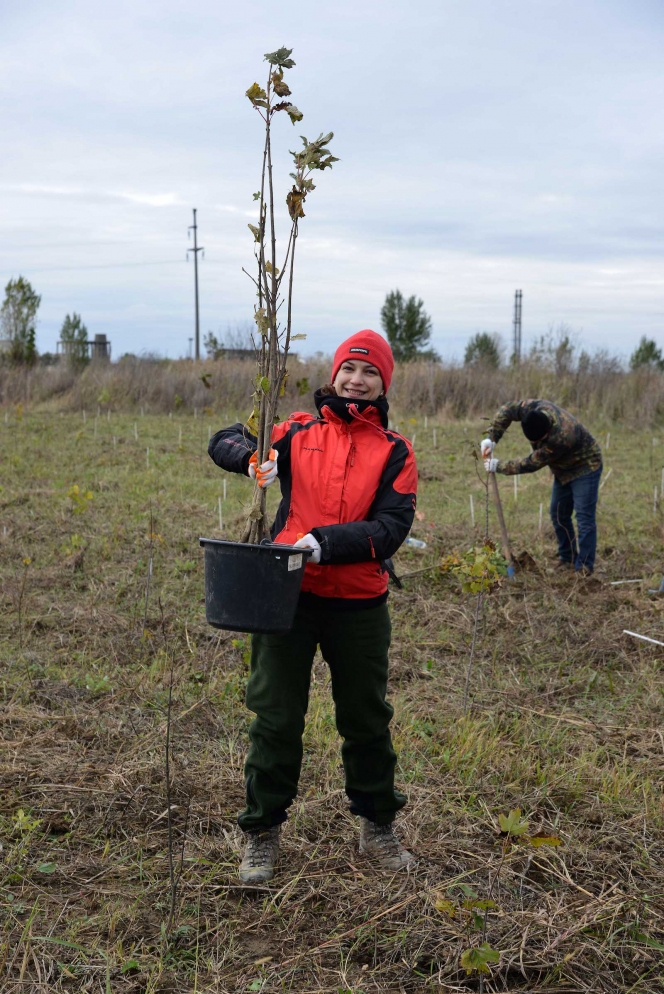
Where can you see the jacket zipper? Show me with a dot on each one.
(350, 461)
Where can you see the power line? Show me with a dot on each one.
(108, 265)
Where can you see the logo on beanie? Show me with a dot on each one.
(363, 351)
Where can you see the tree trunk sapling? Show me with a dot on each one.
(273, 328)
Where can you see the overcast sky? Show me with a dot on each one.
(485, 145)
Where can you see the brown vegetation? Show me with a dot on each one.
(564, 723)
(600, 389)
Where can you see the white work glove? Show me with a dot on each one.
(309, 542)
(491, 465)
(267, 472)
(486, 447)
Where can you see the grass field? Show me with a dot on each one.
(564, 722)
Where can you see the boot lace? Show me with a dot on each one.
(260, 848)
(386, 841)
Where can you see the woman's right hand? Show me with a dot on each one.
(267, 472)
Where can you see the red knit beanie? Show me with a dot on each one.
(369, 347)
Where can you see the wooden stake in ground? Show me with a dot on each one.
(507, 549)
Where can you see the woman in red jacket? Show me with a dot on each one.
(348, 488)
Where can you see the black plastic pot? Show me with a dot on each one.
(252, 588)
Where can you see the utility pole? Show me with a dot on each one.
(518, 294)
(196, 249)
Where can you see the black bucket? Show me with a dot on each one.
(252, 588)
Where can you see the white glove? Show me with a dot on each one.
(486, 447)
(491, 465)
(267, 473)
(309, 542)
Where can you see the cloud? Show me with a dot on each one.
(483, 147)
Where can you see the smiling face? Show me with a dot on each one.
(358, 380)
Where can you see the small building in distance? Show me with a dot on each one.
(97, 349)
(100, 348)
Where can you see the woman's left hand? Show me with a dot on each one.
(309, 542)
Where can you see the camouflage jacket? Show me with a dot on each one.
(568, 448)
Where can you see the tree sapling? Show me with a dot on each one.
(273, 331)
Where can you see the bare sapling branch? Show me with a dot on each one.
(273, 341)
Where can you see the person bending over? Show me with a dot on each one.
(348, 488)
(561, 442)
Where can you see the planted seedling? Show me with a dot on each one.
(513, 831)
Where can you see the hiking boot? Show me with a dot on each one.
(562, 565)
(380, 843)
(260, 856)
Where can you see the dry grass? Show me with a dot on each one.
(565, 722)
(599, 391)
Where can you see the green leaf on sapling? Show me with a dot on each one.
(314, 155)
(513, 823)
(467, 890)
(479, 958)
(298, 338)
(256, 232)
(294, 113)
(257, 196)
(280, 58)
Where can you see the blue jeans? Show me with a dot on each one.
(580, 496)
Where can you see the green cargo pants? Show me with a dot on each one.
(355, 645)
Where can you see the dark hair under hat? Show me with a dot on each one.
(535, 425)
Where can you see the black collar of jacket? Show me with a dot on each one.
(340, 406)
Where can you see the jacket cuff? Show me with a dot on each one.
(245, 463)
(324, 542)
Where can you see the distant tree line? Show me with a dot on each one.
(405, 322)
(18, 328)
(558, 350)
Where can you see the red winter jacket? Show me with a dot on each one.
(347, 479)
